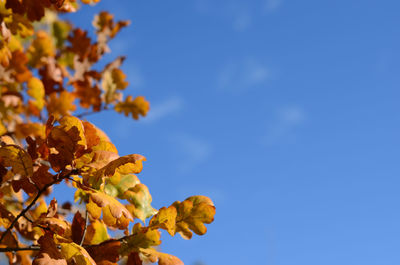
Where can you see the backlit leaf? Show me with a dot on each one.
(18, 159)
(134, 107)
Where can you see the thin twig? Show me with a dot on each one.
(86, 113)
(32, 222)
(84, 230)
(37, 247)
(22, 213)
(33, 247)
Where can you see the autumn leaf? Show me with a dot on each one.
(18, 159)
(114, 213)
(42, 47)
(165, 219)
(96, 233)
(49, 254)
(135, 107)
(140, 198)
(61, 104)
(112, 80)
(122, 165)
(106, 252)
(36, 91)
(78, 227)
(192, 214)
(151, 255)
(75, 254)
(141, 237)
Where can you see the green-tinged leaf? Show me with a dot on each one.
(141, 237)
(140, 198)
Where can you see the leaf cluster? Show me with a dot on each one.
(49, 70)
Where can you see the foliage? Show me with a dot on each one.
(49, 70)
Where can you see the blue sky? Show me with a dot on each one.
(285, 113)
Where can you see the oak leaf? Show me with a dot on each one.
(165, 219)
(49, 254)
(62, 104)
(42, 47)
(36, 91)
(115, 214)
(75, 254)
(140, 198)
(135, 107)
(192, 214)
(18, 159)
(141, 237)
(151, 255)
(96, 233)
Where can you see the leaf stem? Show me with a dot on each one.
(84, 230)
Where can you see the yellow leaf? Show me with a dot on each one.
(192, 214)
(122, 165)
(36, 91)
(69, 122)
(165, 219)
(141, 237)
(75, 254)
(114, 213)
(136, 107)
(61, 105)
(96, 233)
(42, 47)
(151, 255)
(17, 158)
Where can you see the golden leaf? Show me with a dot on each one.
(36, 91)
(136, 107)
(42, 47)
(17, 158)
(192, 214)
(114, 213)
(62, 104)
(76, 254)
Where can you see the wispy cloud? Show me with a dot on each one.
(272, 5)
(239, 76)
(163, 109)
(240, 13)
(286, 121)
(194, 151)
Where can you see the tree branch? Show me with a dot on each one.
(22, 213)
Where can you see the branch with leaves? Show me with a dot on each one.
(50, 80)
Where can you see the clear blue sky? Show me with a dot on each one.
(284, 112)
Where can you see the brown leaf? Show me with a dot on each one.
(49, 254)
(107, 251)
(78, 226)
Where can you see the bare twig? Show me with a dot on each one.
(33, 247)
(83, 114)
(84, 230)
